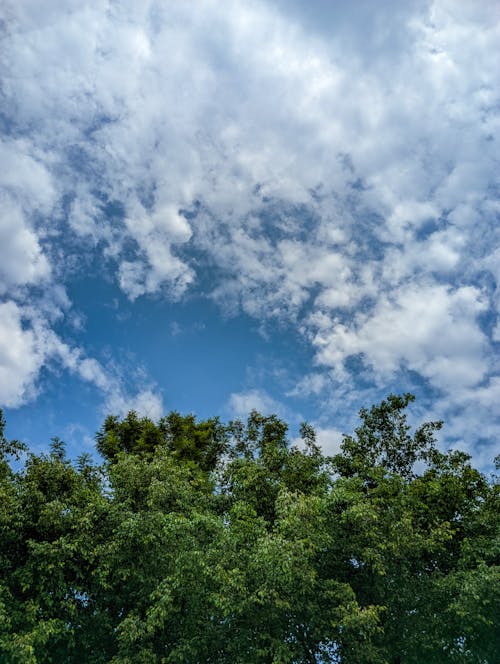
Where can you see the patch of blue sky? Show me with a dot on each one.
(194, 355)
(65, 407)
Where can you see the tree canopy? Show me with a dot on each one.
(203, 542)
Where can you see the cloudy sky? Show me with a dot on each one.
(212, 206)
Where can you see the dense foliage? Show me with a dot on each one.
(201, 542)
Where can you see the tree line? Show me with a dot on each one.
(205, 542)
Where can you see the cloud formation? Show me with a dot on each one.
(242, 403)
(335, 174)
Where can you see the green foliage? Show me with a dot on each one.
(199, 443)
(384, 441)
(197, 542)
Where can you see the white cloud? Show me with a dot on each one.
(329, 439)
(146, 402)
(240, 404)
(27, 343)
(430, 329)
(155, 233)
(21, 258)
(26, 189)
(118, 399)
(25, 175)
(20, 356)
(313, 383)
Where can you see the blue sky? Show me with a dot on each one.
(215, 206)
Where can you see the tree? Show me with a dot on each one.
(196, 541)
(200, 443)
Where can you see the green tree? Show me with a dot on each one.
(199, 542)
(49, 532)
(413, 555)
(200, 443)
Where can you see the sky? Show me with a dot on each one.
(217, 206)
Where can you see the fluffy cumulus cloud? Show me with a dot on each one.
(431, 329)
(20, 359)
(26, 193)
(331, 167)
(240, 404)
